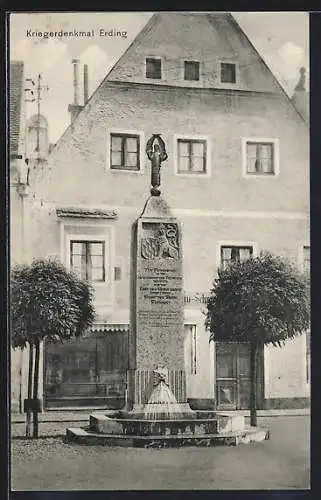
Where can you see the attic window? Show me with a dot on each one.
(153, 68)
(228, 72)
(191, 70)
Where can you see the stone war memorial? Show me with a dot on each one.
(157, 413)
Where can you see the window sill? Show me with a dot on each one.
(126, 171)
(227, 86)
(193, 174)
(261, 176)
(193, 83)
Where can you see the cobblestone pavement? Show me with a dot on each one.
(48, 429)
(280, 463)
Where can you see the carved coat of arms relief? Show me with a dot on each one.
(163, 244)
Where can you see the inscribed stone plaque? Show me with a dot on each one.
(159, 295)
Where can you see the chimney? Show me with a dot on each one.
(75, 63)
(85, 84)
(75, 108)
(300, 97)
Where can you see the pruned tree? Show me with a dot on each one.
(262, 300)
(47, 302)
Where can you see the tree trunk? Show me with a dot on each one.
(254, 351)
(35, 389)
(20, 381)
(28, 423)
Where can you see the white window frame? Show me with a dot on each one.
(192, 137)
(152, 80)
(109, 278)
(237, 74)
(234, 243)
(141, 136)
(103, 231)
(192, 83)
(276, 157)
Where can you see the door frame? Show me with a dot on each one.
(260, 380)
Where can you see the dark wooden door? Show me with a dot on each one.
(233, 376)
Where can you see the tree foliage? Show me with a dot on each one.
(263, 300)
(47, 301)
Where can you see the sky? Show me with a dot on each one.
(282, 39)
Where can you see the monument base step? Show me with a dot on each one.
(230, 423)
(84, 436)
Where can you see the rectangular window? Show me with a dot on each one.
(87, 259)
(191, 156)
(230, 254)
(153, 68)
(124, 151)
(228, 73)
(191, 70)
(260, 158)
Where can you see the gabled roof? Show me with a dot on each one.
(210, 38)
(213, 36)
(15, 101)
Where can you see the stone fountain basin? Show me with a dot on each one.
(208, 423)
(206, 429)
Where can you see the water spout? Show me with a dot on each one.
(162, 404)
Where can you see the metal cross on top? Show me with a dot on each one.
(156, 152)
